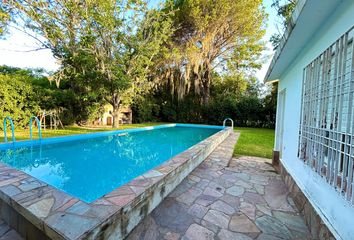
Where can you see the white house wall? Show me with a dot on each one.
(337, 213)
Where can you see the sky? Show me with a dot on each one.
(16, 48)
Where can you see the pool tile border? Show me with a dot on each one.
(61, 216)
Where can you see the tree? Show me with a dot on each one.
(17, 98)
(74, 104)
(108, 46)
(270, 105)
(210, 34)
(4, 18)
(284, 10)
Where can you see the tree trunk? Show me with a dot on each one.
(115, 114)
(206, 80)
(206, 94)
(114, 100)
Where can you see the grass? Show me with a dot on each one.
(257, 142)
(69, 130)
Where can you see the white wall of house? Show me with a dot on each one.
(337, 212)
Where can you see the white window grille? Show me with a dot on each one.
(327, 118)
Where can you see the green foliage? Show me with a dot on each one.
(233, 95)
(77, 106)
(17, 99)
(107, 47)
(246, 109)
(270, 105)
(249, 112)
(234, 84)
(145, 109)
(186, 110)
(284, 10)
(211, 35)
(220, 108)
(4, 19)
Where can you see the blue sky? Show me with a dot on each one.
(15, 50)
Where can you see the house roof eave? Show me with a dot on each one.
(306, 19)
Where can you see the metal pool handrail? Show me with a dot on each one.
(38, 125)
(232, 122)
(12, 129)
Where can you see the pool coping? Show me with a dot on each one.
(62, 216)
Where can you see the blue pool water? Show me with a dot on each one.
(91, 167)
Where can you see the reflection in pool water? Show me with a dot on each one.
(92, 167)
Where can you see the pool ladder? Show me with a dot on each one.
(7, 118)
(38, 126)
(228, 119)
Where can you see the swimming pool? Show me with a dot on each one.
(110, 161)
(100, 185)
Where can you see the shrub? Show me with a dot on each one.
(17, 100)
(247, 111)
(145, 109)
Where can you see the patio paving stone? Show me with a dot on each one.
(203, 184)
(197, 210)
(173, 215)
(265, 236)
(6, 233)
(217, 218)
(264, 209)
(11, 235)
(10, 190)
(205, 200)
(222, 207)
(273, 226)
(226, 235)
(189, 196)
(197, 232)
(212, 192)
(42, 207)
(4, 228)
(226, 198)
(64, 221)
(231, 200)
(248, 209)
(235, 191)
(241, 223)
(253, 198)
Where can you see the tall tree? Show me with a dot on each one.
(109, 45)
(18, 97)
(210, 34)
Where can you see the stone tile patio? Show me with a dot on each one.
(6, 233)
(240, 198)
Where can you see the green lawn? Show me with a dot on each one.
(257, 142)
(24, 134)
